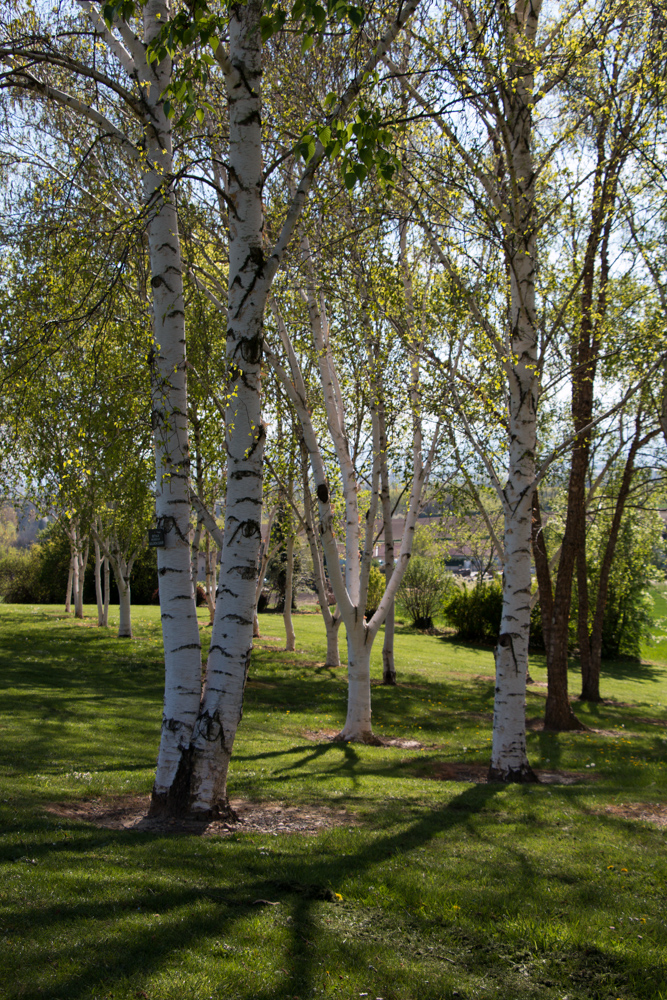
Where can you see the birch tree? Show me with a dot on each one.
(499, 67)
(350, 588)
(196, 781)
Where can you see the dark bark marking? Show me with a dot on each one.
(245, 572)
(322, 493)
(237, 618)
(519, 775)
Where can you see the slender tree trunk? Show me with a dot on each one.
(290, 645)
(76, 572)
(196, 542)
(210, 578)
(107, 588)
(509, 760)
(591, 690)
(331, 621)
(583, 613)
(558, 713)
(205, 793)
(98, 583)
(180, 631)
(82, 575)
(358, 724)
(125, 618)
(542, 571)
(333, 651)
(388, 666)
(263, 559)
(70, 584)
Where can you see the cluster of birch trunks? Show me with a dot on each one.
(438, 298)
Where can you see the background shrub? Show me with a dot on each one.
(422, 590)
(475, 612)
(376, 583)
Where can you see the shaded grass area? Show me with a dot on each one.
(436, 890)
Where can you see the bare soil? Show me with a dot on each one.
(649, 812)
(128, 812)
(329, 736)
(479, 774)
(537, 726)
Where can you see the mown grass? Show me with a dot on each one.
(446, 889)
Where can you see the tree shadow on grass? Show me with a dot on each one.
(125, 951)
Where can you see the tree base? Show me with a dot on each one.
(514, 776)
(369, 738)
(593, 697)
(562, 723)
(166, 805)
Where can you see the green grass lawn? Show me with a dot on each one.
(432, 890)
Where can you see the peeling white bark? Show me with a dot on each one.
(182, 648)
(231, 639)
(509, 760)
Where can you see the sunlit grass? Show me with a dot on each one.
(438, 889)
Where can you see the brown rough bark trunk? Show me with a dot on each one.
(542, 571)
(607, 561)
(558, 713)
(590, 685)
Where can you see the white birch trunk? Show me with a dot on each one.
(82, 576)
(265, 553)
(122, 563)
(98, 583)
(125, 607)
(70, 584)
(107, 587)
(360, 634)
(331, 622)
(290, 638)
(75, 584)
(388, 665)
(196, 542)
(358, 725)
(509, 760)
(180, 631)
(211, 563)
(231, 639)
(333, 652)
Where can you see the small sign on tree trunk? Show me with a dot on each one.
(156, 538)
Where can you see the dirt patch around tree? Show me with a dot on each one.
(478, 773)
(329, 736)
(649, 812)
(129, 812)
(537, 726)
